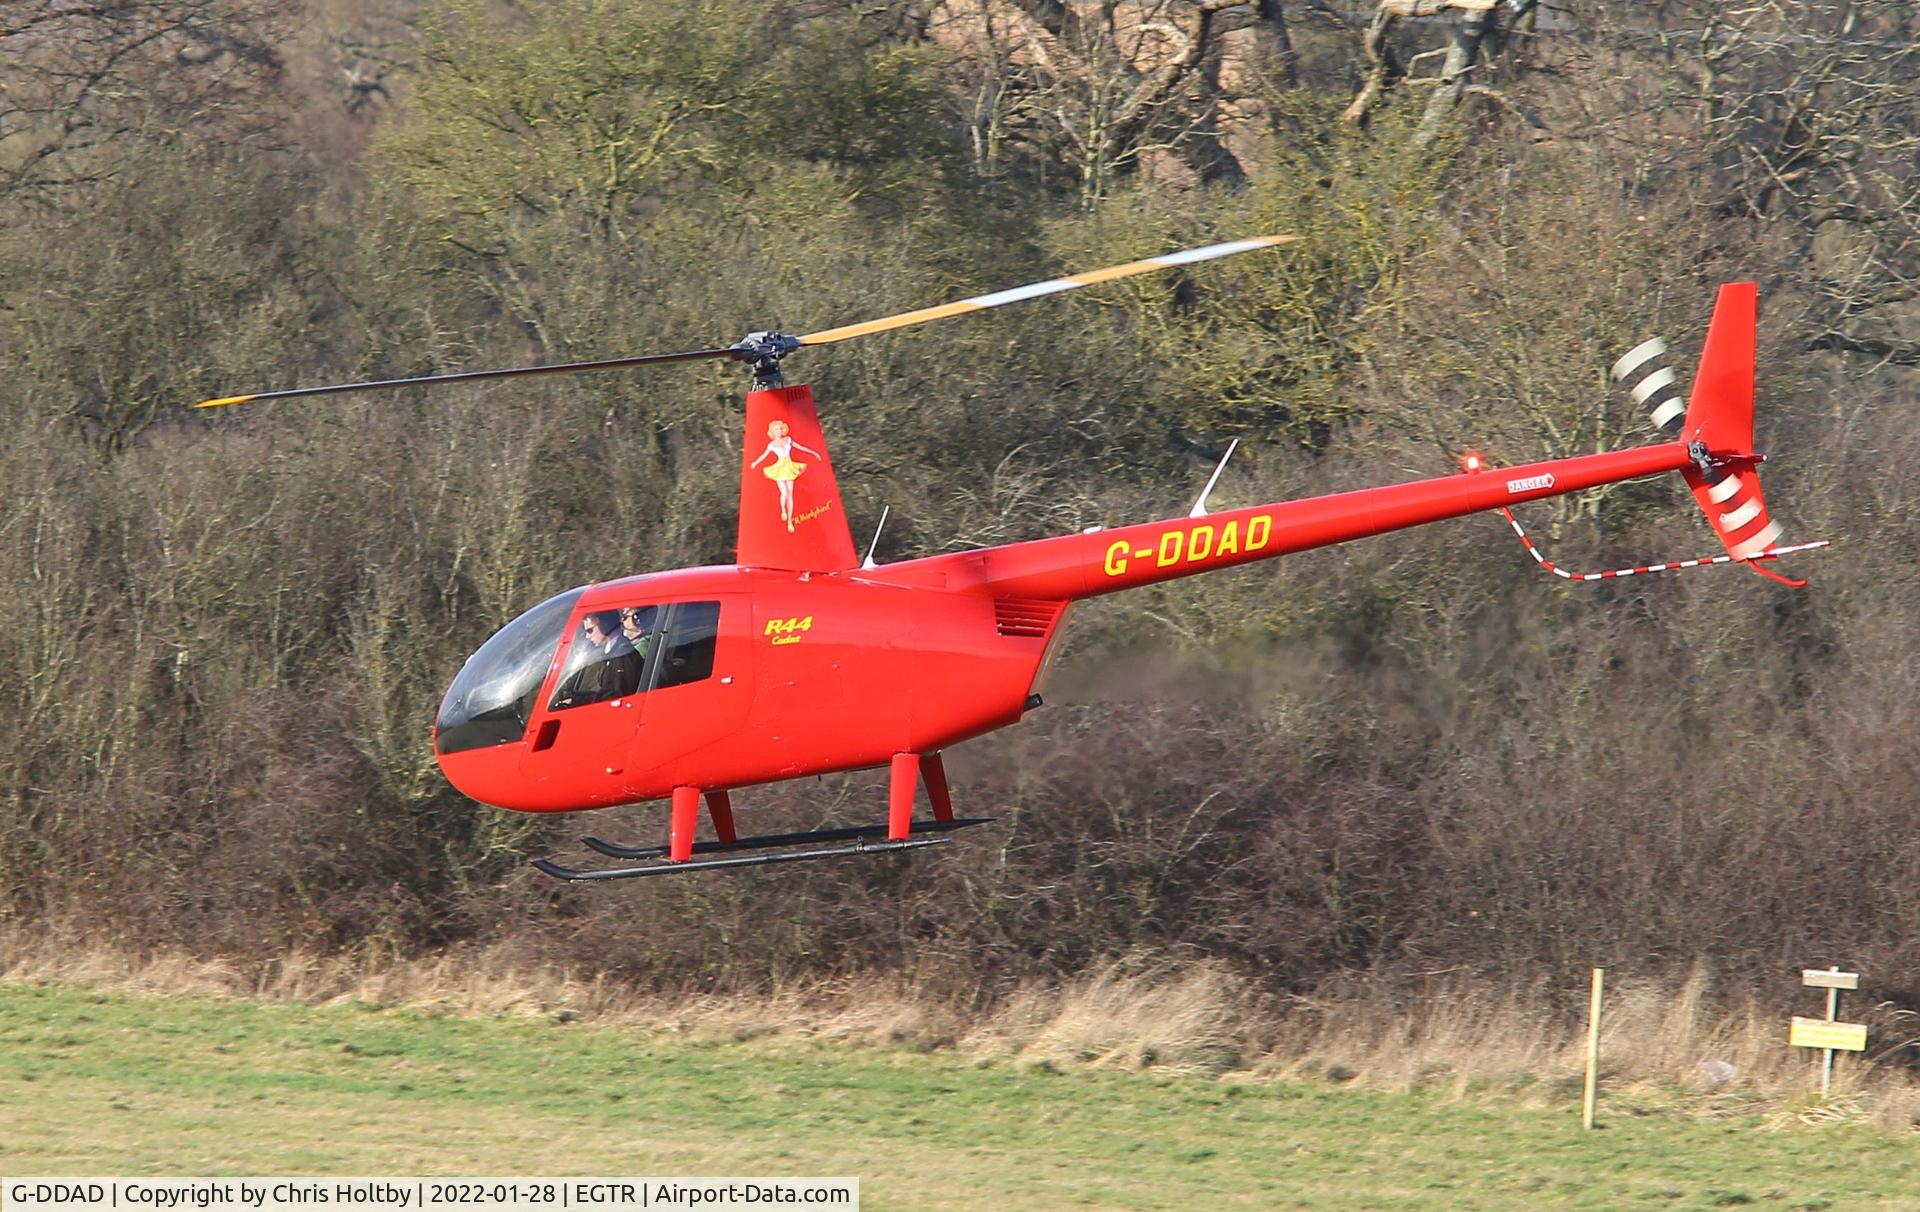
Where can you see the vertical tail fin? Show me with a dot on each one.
(1718, 428)
(1721, 411)
(790, 510)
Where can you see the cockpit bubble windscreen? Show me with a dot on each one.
(492, 699)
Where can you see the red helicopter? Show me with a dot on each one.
(802, 658)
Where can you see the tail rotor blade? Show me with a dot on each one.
(469, 376)
(1037, 289)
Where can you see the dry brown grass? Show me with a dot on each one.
(1468, 1034)
(1661, 1043)
(1190, 1018)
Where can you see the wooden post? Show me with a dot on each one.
(1593, 1048)
(1826, 1057)
(1832, 1033)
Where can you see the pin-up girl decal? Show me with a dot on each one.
(783, 470)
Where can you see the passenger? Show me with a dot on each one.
(636, 624)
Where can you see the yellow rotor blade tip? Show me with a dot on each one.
(223, 401)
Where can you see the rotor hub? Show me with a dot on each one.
(763, 351)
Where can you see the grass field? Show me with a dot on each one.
(95, 1083)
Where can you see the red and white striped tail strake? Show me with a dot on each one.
(1671, 566)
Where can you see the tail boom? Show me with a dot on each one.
(1105, 561)
(1714, 452)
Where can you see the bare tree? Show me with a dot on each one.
(77, 78)
(1815, 109)
(1098, 88)
(1470, 24)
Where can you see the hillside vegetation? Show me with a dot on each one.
(226, 634)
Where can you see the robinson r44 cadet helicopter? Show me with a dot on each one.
(801, 658)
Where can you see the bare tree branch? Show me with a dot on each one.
(75, 78)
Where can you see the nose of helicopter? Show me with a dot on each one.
(479, 735)
(490, 775)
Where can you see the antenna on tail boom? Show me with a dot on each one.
(868, 562)
(1199, 509)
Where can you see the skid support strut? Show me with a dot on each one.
(720, 808)
(685, 819)
(680, 826)
(904, 781)
(934, 771)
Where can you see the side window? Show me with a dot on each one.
(685, 645)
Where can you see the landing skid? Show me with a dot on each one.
(811, 839)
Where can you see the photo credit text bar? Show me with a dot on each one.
(426, 1194)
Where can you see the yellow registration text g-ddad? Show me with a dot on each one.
(1191, 544)
(788, 631)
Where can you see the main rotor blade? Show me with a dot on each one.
(751, 351)
(1037, 289)
(468, 376)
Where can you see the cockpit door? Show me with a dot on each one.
(583, 735)
(699, 686)
(603, 737)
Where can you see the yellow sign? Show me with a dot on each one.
(1819, 1033)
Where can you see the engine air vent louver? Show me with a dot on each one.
(1025, 617)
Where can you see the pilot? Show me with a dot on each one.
(614, 668)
